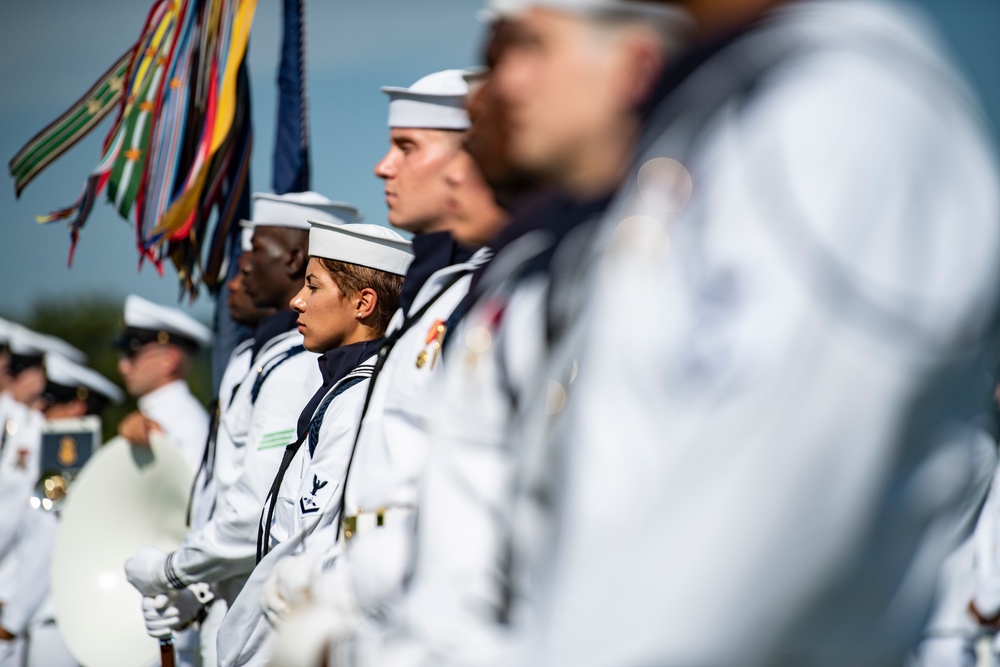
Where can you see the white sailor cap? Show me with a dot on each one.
(294, 209)
(146, 322)
(28, 344)
(246, 236)
(512, 8)
(437, 102)
(68, 380)
(374, 246)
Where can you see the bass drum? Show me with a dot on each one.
(125, 498)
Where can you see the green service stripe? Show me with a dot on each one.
(280, 443)
(281, 435)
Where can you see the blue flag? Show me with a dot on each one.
(291, 147)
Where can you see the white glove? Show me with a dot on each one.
(287, 588)
(147, 571)
(307, 635)
(310, 632)
(170, 612)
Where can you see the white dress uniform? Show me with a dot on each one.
(20, 465)
(220, 453)
(454, 610)
(305, 514)
(393, 441)
(303, 510)
(770, 472)
(259, 423)
(28, 610)
(183, 419)
(20, 437)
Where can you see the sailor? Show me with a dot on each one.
(20, 442)
(757, 477)
(20, 439)
(260, 421)
(350, 294)
(221, 452)
(157, 344)
(426, 122)
(27, 612)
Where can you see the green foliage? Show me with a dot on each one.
(92, 323)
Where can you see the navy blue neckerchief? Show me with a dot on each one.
(271, 327)
(549, 210)
(686, 63)
(431, 253)
(333, 366)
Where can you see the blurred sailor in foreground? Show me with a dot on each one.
(258, 424)
(157, 344)
(350, 294)
(27, 613)
(807, 250)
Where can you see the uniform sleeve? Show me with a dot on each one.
(20, 468)
(36, 540)
(227, 545)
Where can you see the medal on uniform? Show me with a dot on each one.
(432, 344)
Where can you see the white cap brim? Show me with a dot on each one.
(143, 314)
(62, 371)
(24, 341)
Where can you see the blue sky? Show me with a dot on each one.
(53, 49)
